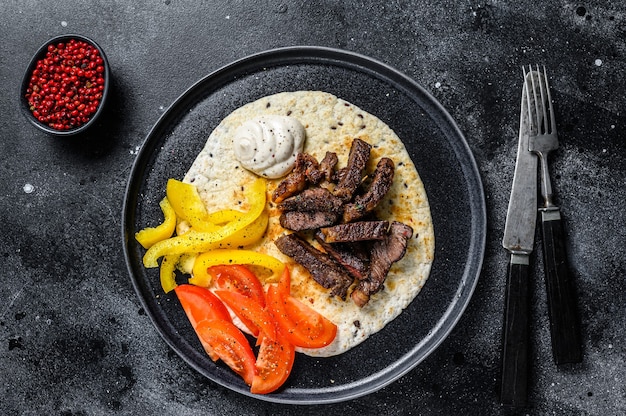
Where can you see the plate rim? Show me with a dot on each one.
(352, 60)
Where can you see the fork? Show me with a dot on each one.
(560, 289)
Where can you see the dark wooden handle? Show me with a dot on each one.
(561, 292)
(513, 390)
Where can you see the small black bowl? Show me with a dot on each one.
(41, 53)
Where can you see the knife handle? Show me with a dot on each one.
(561, 292)
(514, 383)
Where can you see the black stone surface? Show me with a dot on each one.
(73, 337)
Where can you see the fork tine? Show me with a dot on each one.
(536, 108)
(550, 108)
(542, 89)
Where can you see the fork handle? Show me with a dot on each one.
(514, 383)
(561, 292)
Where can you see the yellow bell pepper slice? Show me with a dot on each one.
(151, 235)
(224, 216)
(185, 263)
(199, 242)
(232, 256)
(167, 273)
(247, 235)
(188, 205)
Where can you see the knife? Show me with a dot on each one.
(518, 240)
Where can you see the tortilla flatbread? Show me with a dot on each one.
(330, 124)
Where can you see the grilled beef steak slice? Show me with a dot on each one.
(307, 220)
(351, 179)
(339, 174)
(352, 257)
(305, 171)
(294, 183)
(378, 188)
(327, 165)
(322, 268)
(311, 168)
(312, 199)
(384, 254)
(355, 231)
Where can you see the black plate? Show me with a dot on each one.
(439, 151)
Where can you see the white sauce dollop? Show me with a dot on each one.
(268, 145)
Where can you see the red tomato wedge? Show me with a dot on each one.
(251, 313)
(273, 364)
(238, 278)
(284, 284)
(199, 305)
(300, 324)
(230, 345)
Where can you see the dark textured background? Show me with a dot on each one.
(73, 337)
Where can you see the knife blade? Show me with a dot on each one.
(518, 240)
